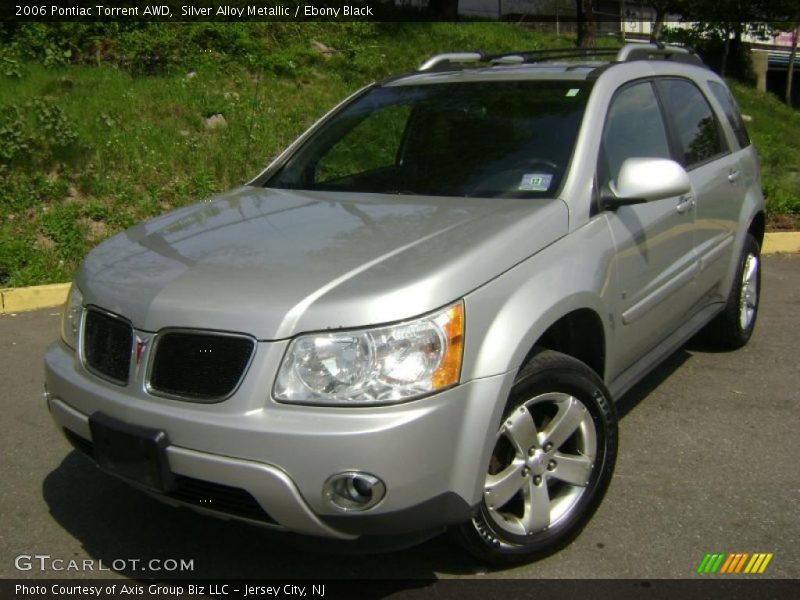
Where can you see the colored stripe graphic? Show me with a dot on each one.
(739, 567)
(730, 564)
(727, 564)
(740, 563)
(734, 563)
(703, 563)
(766, 562)
(754, 564)
(718, 563)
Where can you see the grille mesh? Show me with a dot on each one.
(222, 498)
(107, 342)
(199, 366)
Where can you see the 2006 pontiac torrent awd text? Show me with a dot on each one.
(420, 315)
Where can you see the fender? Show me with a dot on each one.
(505, 319)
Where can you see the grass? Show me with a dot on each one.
(87, 150)
(775, 131)
(141, 146)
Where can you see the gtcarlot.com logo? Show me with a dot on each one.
(736, 563)
(45, 562)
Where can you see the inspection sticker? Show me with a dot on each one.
(572, 92)
(535, 182)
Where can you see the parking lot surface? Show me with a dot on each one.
(709, 462)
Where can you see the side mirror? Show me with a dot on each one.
(646, 179)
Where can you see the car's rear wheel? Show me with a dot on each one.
(733, 327)
(551, 464)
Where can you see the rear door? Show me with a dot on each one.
(656, 261)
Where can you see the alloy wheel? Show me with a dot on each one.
(541, 464)
(748, 297)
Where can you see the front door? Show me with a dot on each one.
(655, 257)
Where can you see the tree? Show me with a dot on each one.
(586, 25)
(782, 16)
(713, 21)
(662, 7)
(788, 13)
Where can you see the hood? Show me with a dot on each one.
(273, 263)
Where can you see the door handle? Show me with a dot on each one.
(733, 176)
(685, 204)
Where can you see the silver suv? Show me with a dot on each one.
(420, 315)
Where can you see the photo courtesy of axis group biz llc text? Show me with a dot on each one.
(108, 589)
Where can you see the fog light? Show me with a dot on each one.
(353, 491)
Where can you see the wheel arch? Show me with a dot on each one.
(579, 334)
(757, 227)
(572, 325)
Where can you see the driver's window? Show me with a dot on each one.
(371, 145)
(634, 129)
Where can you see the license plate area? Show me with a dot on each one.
(132, 452)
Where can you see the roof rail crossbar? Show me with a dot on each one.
(545, 53)
(648, 51)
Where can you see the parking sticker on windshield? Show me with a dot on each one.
(572, 92)
(535, 182)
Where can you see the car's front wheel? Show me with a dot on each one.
(552, 462)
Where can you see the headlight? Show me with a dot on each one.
(71, 317)
(375, 366)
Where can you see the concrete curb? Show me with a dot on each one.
(781, 242)
(14, 300)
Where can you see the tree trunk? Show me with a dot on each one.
(726, 49)
(586, 24)
(658, 26)
(790, 68)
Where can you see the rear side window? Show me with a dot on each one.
(634, 129)
(696, 128)
(732, 112)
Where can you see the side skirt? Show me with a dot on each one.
(633, 374)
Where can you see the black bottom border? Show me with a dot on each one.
(458, 589)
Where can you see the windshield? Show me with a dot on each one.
(510, 139)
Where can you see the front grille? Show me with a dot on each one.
(206, 494)
(202, 367)
(107, 342)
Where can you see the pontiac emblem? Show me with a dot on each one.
(141, 346)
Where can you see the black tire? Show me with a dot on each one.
(728, 329)
(548, 378)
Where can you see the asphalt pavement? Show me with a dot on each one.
(709, 462)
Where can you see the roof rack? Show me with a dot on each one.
(629, 52)
(649, 51)
(451, 57)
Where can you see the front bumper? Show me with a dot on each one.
(430, 453)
